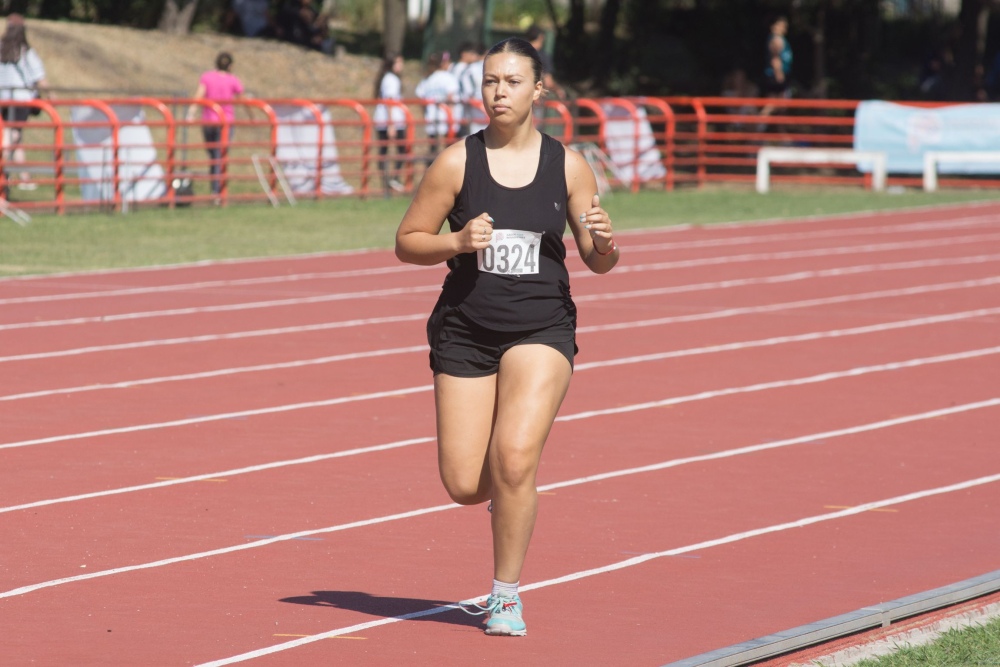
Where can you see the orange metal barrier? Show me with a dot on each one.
(118, 154)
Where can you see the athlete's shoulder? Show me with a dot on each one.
(448, 169)
(574, 161)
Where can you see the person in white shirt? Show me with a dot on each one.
(440, 89)
(22, 79)
(469, 72)
(390, 119)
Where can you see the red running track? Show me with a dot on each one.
(770, 424)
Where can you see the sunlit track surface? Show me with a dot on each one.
(231, 462)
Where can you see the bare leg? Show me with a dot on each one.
(465, 413)
(531, 385)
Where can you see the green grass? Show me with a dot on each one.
(76, 242)
(977, 645)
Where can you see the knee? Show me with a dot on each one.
(465, 492)
(515, 469)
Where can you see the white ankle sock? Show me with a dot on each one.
(505, 589)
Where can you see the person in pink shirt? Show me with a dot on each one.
(218, 85)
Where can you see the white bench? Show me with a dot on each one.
(932, 158)
(819, 156)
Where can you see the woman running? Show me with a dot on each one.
(502, 334)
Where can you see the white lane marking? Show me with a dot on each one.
(613, 567)
(837, 271)
(212, 284)
(225, 473)
(792, 338)
(822, 436)
(736, 282)
(692, 287)
(781, 237)
(805, 303)
(208, 338)
(298, 363)
(226, 308)
(729, 391)
(275, 409)
(781, 384)
(236, 282)
(722, 347)
(710, 261)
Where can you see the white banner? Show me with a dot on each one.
(298, 151)
(904, 133)
(140, 176)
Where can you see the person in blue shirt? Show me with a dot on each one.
(779, 60)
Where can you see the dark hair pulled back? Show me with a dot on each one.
(519, 47)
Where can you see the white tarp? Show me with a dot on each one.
(298, 151)
(626, 154)
(140, 175)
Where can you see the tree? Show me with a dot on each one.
(177, 16)
(395, 26)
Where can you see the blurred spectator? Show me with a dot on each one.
(536, 36)
(991, 81)
(254, 17)
(440, 87)
(218, 85)
(469, 72)
(937, 74)
(300, 22)
(389, 119)
(777, 73)
(737, 84)
(22, 78)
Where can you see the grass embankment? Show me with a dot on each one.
(160, 236)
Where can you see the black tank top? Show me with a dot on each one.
(512, 302)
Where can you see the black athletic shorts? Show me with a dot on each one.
(462, 348)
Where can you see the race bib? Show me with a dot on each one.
(511, 253)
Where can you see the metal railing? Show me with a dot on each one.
(122, 153)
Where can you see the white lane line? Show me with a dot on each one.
(781, 384)
(729, 391)
(276, 409)
(298, 363)
(693, 287)
(23, 590)
(225, 473)
(402, 268)
(613, 567)
(883, 266)
(958, 223)
(742, 282)
(805, 303)
(793, 338)
(723, 347)
(213, 284)
(396, 291)
(822, 436)
(226, 308)
(209, 338)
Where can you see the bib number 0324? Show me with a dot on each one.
(511, 252)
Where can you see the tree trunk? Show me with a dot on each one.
(819, 53)
(176, 19)
(606, 40)
(394, 33)
(973, 18)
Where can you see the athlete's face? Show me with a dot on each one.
(509, 86)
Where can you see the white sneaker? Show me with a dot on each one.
(396, 185)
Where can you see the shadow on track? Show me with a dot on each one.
(387, 607)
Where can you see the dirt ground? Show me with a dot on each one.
(104, 61)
